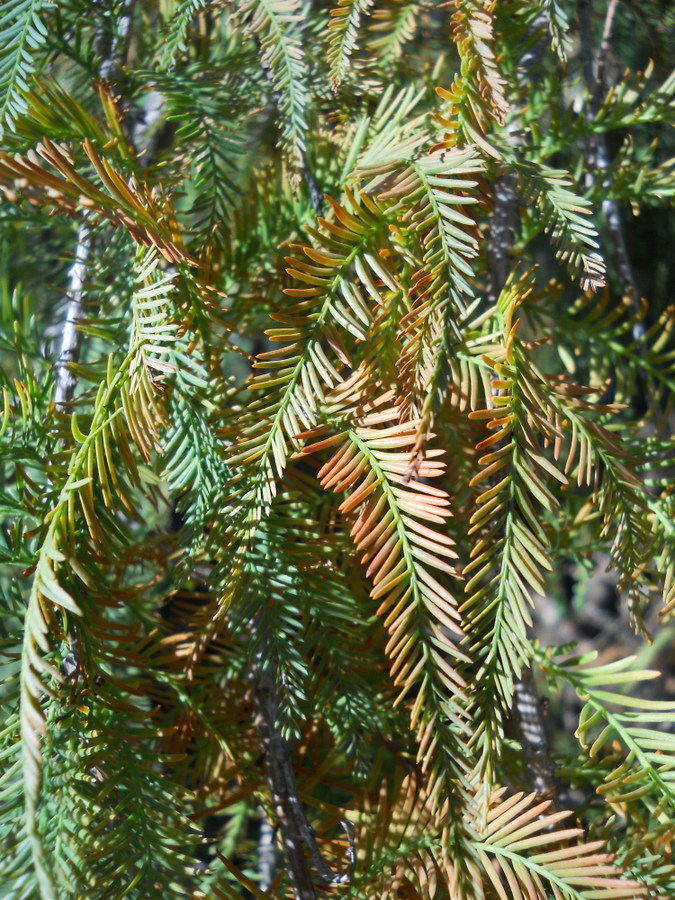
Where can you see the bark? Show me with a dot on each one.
(69, 351)
(594, 79)
(296, 832)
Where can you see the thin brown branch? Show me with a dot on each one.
(307, 832)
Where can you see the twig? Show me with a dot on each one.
(505, 214)
(603, 53)
(293, 825)
(114, 46)
(307, 832)
(533, 738)
(69, 351)
(500, 238)
(267, 853)
(597, 144)
(310, 181)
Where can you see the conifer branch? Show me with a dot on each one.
(113, 44)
